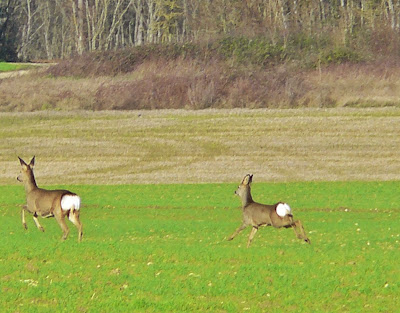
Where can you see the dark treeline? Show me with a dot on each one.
(55, 29)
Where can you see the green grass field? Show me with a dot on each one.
(158, 205)
(163, 248)
(7, 67)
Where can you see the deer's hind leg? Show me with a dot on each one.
(73, 216)
(299, 231)
(60, 218)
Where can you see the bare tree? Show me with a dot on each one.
(58, 28)
(120, 9)
(78, 20)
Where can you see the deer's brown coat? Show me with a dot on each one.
(46, 203)
(257, 214)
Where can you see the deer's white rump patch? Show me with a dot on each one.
(69, 202)
(283, 209)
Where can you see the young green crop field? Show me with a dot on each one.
(158, 205)
(163, 248)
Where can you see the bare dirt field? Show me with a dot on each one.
(177, 146)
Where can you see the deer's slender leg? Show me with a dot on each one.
(251, 236)
(23, 217)
(299, 231)
(37, 222)
(237, 231)
(294, 227)
(74, 218)
(60, 218)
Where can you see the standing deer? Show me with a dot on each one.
(48, 203)
(255, 214)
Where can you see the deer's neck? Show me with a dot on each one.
(30, 184)
(246, 198)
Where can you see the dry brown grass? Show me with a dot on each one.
(37, 93)
(189, 84)
(175, 146)
(362, 85)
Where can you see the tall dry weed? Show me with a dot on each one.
(196, 84)
(372, 84)
(201, 94)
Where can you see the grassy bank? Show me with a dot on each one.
(232, 73)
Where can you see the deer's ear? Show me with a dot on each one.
(32, 163)
(247, 179)
(251, 179)
(22, 162)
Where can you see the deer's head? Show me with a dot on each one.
(244, 185)
(26, 170)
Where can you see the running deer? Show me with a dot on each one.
(255, 214)
(48, 203)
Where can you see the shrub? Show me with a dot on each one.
(250, 51)
(339, 55)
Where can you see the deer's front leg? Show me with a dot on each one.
(37, 222)
(237, 231)
(251, 236)
(23, 217)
